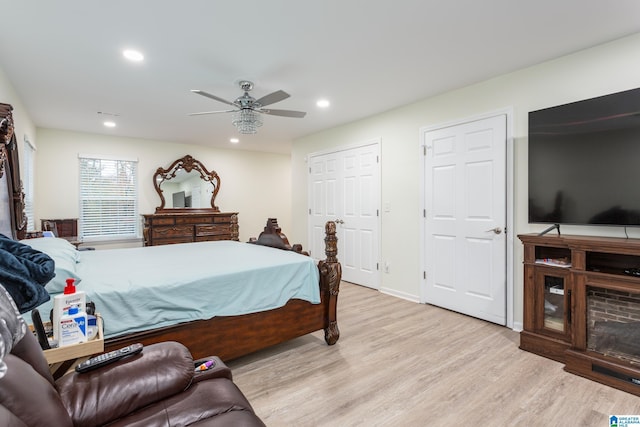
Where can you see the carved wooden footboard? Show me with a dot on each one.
(230, 337)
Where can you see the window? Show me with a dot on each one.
(29, 156)
(108, 198)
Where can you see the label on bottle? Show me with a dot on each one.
(61, 305)
(73, 329)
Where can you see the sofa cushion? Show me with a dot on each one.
(115, 390)
(215, 402)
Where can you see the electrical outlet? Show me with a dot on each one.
(386, 267)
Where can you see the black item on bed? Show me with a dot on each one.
(24, 272)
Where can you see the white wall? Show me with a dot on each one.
(597, 71)
(257, 185)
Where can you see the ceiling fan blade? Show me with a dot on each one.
(208, 95)
(284, 113)
(272, 98)
(211, 112)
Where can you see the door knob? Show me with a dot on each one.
(338, 221)
(496, 230)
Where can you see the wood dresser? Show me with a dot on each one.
(185, 226)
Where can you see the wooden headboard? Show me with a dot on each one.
(13, 221)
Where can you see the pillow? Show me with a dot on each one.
(65, 256)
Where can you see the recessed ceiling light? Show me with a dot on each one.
(109, 124)
(133, 55)
(323, 103)
(234, 140)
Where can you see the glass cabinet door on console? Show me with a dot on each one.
(548, 288)
(553, 302)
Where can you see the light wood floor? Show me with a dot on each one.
(399, 363)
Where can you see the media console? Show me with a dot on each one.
(582, 305)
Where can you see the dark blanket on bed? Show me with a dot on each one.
(23, 272)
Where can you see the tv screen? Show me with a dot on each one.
(584, 161)
(179, 199)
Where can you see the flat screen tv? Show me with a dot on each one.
(584, 162)
(179, 199)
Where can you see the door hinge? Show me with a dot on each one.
(309, 170)
(377, 159)
(309, 211)
(424, 213)
(424, 275)
(377, 212)
(377, 266)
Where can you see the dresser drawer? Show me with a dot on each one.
(212, 238)
(194, 220)
(163, 221)
(213, 230)
(174, 232)
(223, 218)
(172, 241)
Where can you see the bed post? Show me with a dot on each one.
(330, 275)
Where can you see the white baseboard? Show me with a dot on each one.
(517, 326)
(403, 295)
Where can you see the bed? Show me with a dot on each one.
(293, 313)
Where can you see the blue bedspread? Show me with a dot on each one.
(138, 289)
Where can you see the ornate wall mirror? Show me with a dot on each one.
(186, 185)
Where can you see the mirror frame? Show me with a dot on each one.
(10, 167)
(188, 164)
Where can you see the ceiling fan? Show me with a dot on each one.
(246, 108)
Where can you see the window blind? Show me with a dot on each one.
(108, 198)
(29, 156)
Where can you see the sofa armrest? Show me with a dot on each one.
(219, 370)
(115, 390)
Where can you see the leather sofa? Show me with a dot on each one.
(157, 387)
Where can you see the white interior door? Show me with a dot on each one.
(465, 218)
(344, 186)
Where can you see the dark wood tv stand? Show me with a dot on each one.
(581, 308)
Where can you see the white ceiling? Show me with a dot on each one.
(64, 57)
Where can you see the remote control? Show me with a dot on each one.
(106, 358)
(39, 327)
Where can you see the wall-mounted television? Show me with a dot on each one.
(584, 162)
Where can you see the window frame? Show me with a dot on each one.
(29, 183)
(108, 222)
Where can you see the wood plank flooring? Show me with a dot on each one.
(399, 363)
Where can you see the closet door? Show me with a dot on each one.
(344, 186)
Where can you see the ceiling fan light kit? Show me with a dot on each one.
(247, 121)
(246, 118)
